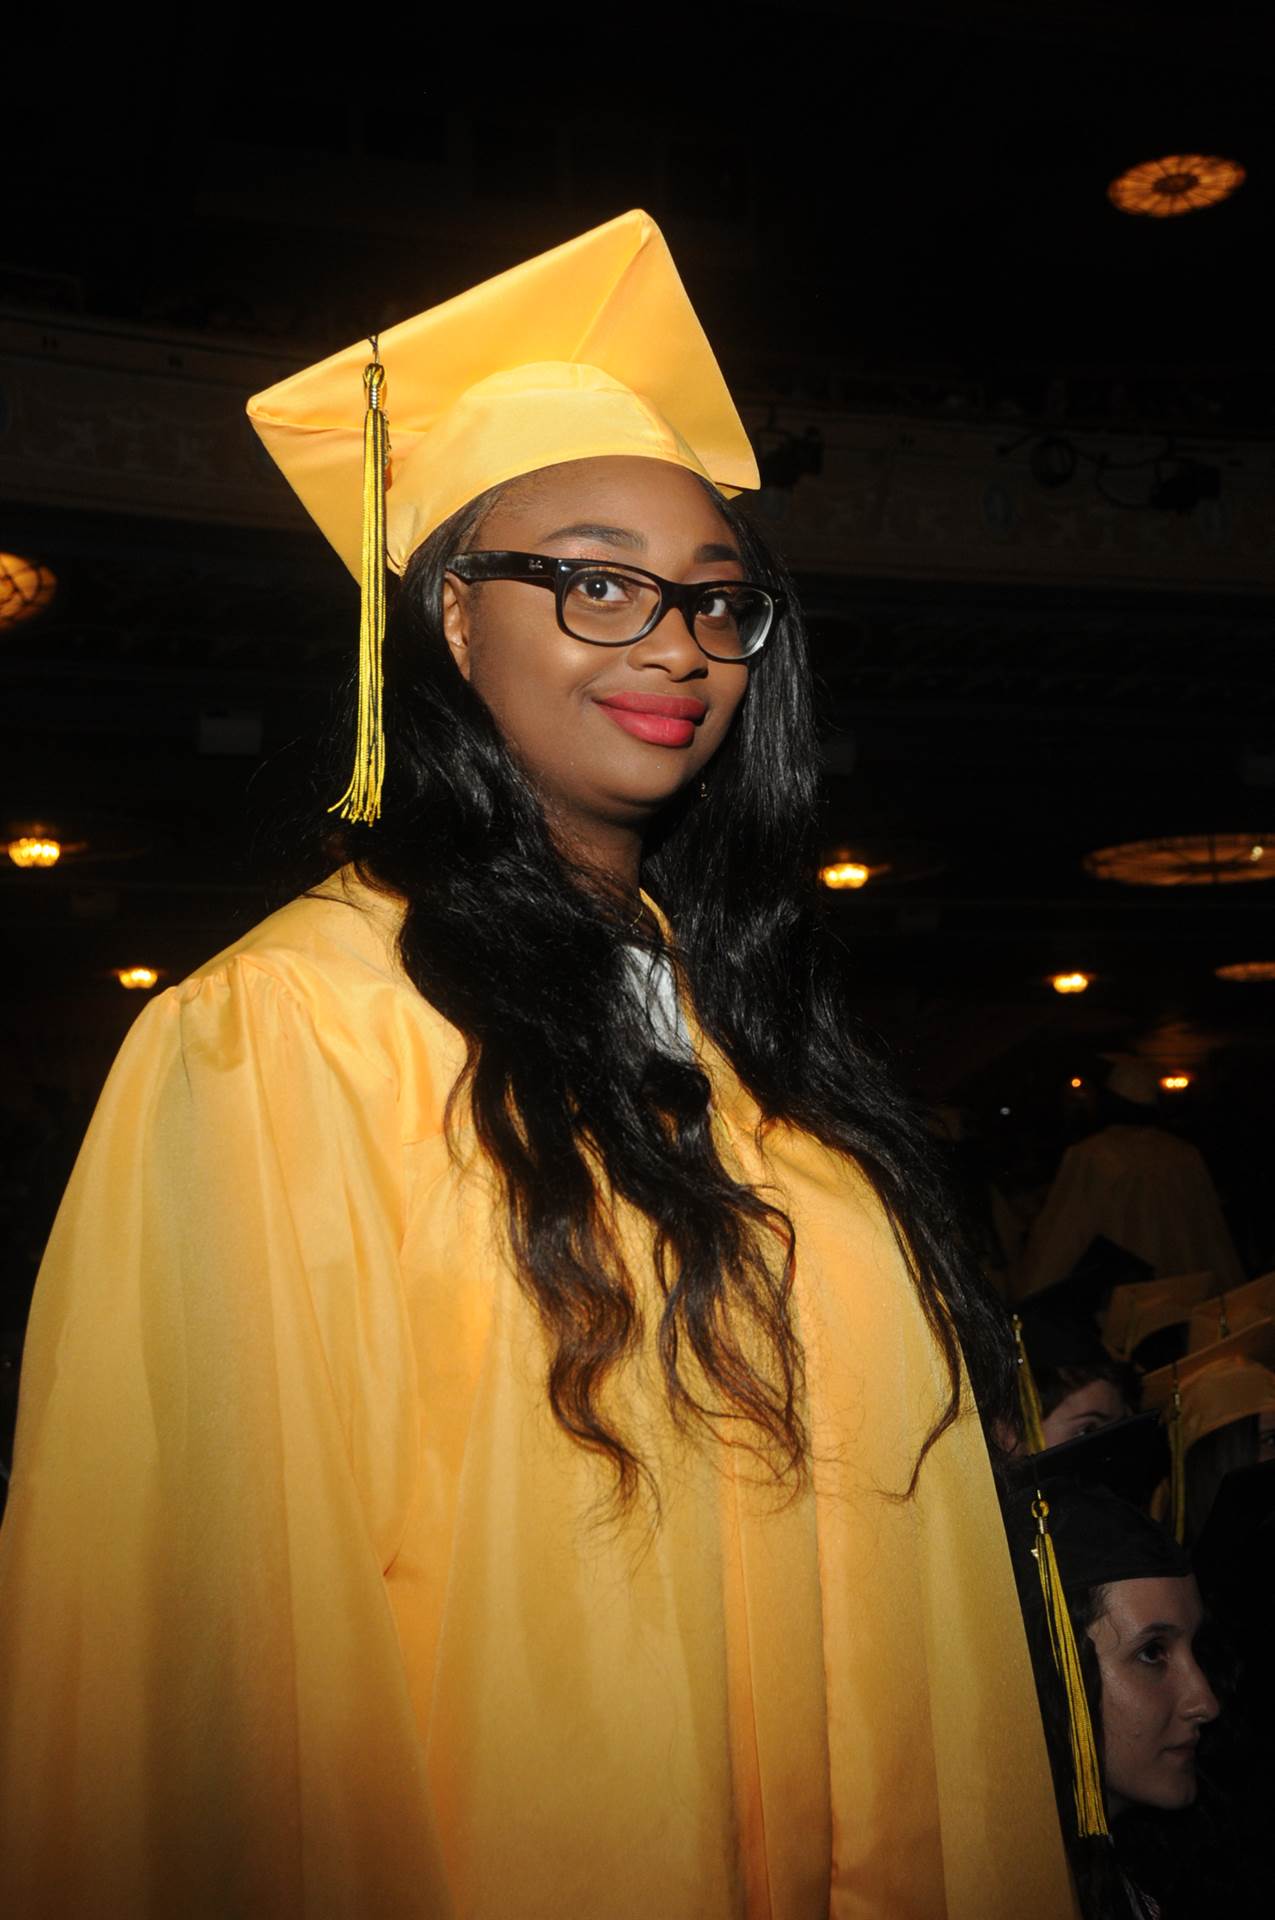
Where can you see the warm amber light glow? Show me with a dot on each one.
(1179, 183)
(30, 851)
(1247, 970)
(26, 588)
(1187, 860)
(136, 976)
(1070, 983)
(1175, 1082)
(1077, 1083)
(844, 873)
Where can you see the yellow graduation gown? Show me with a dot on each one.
(305, 1605)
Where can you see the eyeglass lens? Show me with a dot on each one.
(611, 605)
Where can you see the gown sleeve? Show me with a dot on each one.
(205, 1710)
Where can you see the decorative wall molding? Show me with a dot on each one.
(136, 421)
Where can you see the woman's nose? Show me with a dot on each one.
(1198, 1702)
(671, 645)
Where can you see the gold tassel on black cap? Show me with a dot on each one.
(362, 798)
(1086, 1777)
(1028, 1398)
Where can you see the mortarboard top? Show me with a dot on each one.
(1081, 1295)
(1239, 1307)
(1129, 1458)
(1230, 1380)
(1053, 1342)
(1150, 1305)
(590, 349)
(1098, 1538)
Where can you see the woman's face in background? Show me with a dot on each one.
(1155, 1698)
(550, 694)
(1085, 1410)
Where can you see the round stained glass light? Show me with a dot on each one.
(1247, 970)
(1187, 860)
(1179, 183)
(26, 589)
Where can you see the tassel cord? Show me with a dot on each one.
(361, 800)
(1091, 1815)
(1028, 1398)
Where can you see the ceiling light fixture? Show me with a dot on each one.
(842, 874)
(1187, 860)
(1177, 183)
(137, 977)
(26, 588)
(28, 852)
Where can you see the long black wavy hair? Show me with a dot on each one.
(524, 954)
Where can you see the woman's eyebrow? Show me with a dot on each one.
(629, 537)
(591, 530)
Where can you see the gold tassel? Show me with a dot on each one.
(1086, 1777)
(1028, 1398)
(1177, 1465)
(362, 798)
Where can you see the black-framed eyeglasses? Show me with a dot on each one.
(612, 605)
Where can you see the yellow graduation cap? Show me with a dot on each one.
(1209, 1389)
(588, 350)
(1231, 1312)
(1147, 1306)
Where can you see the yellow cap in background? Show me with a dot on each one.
(1147, 1306)
(1227, 1381)
(1231, 1312)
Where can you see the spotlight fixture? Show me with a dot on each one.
(1174, 1082)
(1076, 1083)
(1247, 970)
(26, 589)
(137, 977)
(1177, 183)
(1187, 860)
(1070, 983)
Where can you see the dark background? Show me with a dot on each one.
(897, 210)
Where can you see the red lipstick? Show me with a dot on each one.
(662, 719)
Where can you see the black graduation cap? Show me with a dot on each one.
(1129, 1458)
(1098, 1537)
(1080, 1296)
(1054, 1342)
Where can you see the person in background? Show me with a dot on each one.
(1125, 1731)
(1081, 1388)
(1138, 1184)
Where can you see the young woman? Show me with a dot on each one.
(1135, 1615)
(495, 1439)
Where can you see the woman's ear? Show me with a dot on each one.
(456, 620)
